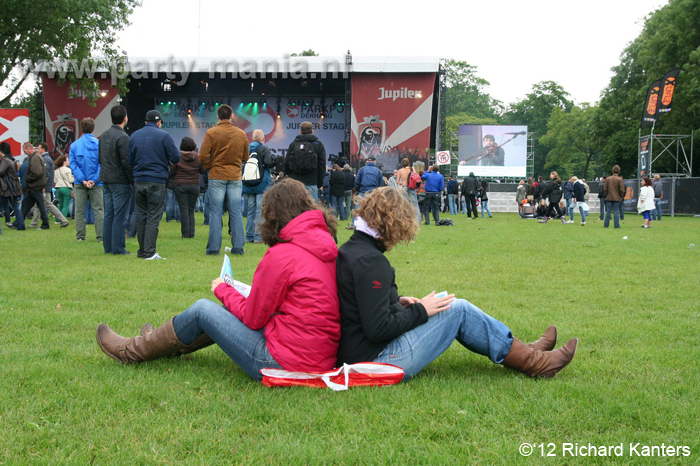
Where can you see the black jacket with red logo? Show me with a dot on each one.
(370, 313)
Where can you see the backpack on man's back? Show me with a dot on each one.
(302, 158)
(414, 180)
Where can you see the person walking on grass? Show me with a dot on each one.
(553, 191)
(290, 319)
(378, 324)
(645, 203)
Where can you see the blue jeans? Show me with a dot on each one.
(254, 206)
(246, 347)
(172, 209)
(452, 202)
(313, 190)
(656, 213)
(338, 205)
(583, 214)
(206, 208)
(117, 200)
(570, 208)
(348, 204)
(232, 191)
(610, 207)
(413, 197)
(485, 205)
(464, 322)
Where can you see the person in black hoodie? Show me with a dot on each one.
(554, 191)
(377, 324)
(312, 179)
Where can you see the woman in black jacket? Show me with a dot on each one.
(553, 190)
(377, 324)
(337, 191)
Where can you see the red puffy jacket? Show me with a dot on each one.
(294, 297)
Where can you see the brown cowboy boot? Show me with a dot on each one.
(536, 363)
(546, 341)
(160, 342)
(201, 342)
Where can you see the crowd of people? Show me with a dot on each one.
(312, 306)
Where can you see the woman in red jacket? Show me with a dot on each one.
(290, 320)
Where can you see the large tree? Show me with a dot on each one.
(670, 39)
(534, 112)
(48, 31)
(572, 141)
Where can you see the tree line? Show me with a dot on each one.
(588, 139)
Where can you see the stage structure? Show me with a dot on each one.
(654, 146)
(387, 107)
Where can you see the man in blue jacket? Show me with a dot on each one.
(434, 184)
(85, 165)
(368, 179)
(151, 150)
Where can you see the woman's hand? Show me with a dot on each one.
(216, 282)
(433, 304)
(408, 300)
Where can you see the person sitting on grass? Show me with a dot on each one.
(290, 320)
(377, 324)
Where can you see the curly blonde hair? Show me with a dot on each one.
(389, 211)
(284, 201)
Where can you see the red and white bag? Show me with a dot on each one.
(350, 375)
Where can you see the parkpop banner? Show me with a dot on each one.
(64, 107)
(669, 82)
(651, 106)
(391, 117)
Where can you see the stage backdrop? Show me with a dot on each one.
(63, 112)
(391, 115)
(509, 159)
(190, 116)
(14, 129)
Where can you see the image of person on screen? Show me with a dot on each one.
(490, 155)
(494, 155)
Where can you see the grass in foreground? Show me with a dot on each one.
(632, 303)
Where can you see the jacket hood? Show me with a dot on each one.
(90, 141)
(188, 155)
(309, 232)
(306, 137)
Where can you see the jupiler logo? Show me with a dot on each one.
(403, 93)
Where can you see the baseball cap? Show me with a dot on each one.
(154, 115)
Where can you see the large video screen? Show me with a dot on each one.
(492, 151)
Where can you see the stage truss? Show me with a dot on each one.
(673, 145)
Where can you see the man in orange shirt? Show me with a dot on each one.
(223, 152)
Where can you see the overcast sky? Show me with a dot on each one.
(513, 43)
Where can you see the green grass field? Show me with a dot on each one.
(632, 303)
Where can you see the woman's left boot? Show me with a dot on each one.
(161, 342)
(201, 342)
(547, 341)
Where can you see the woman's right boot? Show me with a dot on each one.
(547, 341)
